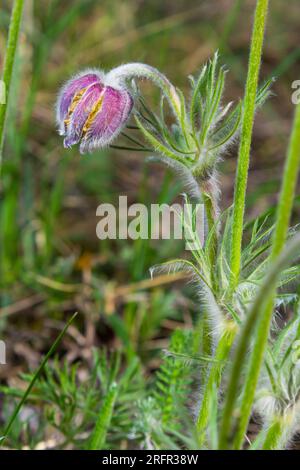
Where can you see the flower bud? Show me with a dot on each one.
(91, 112)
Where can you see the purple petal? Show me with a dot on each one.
(109, 121)
(86, 105)
(71, 88)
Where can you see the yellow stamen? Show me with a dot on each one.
(73, 105)
(92, 115)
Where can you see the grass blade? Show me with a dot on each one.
(35, 377)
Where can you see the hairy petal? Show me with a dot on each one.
(68, 92)
(109, 120)
(89, 101)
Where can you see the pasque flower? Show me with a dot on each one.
(91, 112)
(93, 107)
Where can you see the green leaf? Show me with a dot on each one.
(104, 419)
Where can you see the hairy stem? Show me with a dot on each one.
(214, 379)
(209, 191)
(273, 434)
(245, 140)
(287, 195)
(126, 72)
(231, 412)
(281, 230)
(11, 47)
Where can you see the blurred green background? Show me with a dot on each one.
(52, 263)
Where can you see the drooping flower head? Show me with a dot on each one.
(93, 107)
(91, 112)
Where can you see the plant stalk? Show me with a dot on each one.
(208, 190)
(13, 34)
(230, 412)
(280, 234)
(273, 435)
(214, 379)
(245, 139)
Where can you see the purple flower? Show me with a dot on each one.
(91, 112)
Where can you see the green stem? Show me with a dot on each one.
(12, 41)
(138, 70)
(245, 139)
(258, 307)
(290, 177)
(211, 224)
(208, 191)
(281, 230)
(214, 379)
